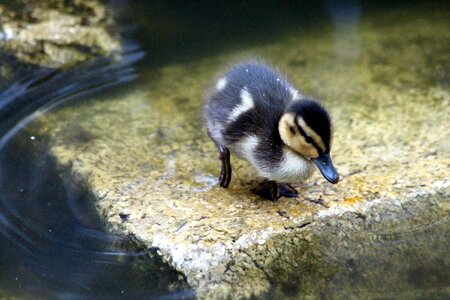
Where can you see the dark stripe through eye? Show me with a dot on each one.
(309, 139)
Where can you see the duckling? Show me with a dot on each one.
(254, 112)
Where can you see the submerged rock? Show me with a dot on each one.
(57, 33)
(146, 158)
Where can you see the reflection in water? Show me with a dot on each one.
(29, 91)
(345, 16)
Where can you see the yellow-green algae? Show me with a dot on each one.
(147, 159)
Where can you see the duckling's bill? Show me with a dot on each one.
(326, 167)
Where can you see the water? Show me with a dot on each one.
(56, 243)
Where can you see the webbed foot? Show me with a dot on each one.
(272, 190)
(286, 190)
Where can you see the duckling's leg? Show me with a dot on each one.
(272, 190)
(225, 173)
(224, 156)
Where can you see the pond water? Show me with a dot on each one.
(375, 67)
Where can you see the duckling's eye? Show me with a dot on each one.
(292, 129)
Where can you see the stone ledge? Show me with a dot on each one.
(229, 242)
(146, 158)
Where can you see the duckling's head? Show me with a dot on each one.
(305, 127)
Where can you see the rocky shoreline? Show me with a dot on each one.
(57, 34)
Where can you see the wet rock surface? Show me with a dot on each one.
(146, 158)
(57, 33)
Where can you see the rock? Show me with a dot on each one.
(144, 154)
(57, 33)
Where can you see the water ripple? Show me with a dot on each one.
(53, 241)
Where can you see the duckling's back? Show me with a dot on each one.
(248, 100)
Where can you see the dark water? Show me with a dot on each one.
(52, 242)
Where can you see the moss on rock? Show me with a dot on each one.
(57, 33)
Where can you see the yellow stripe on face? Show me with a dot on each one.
(317, 139)
(294, 140)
